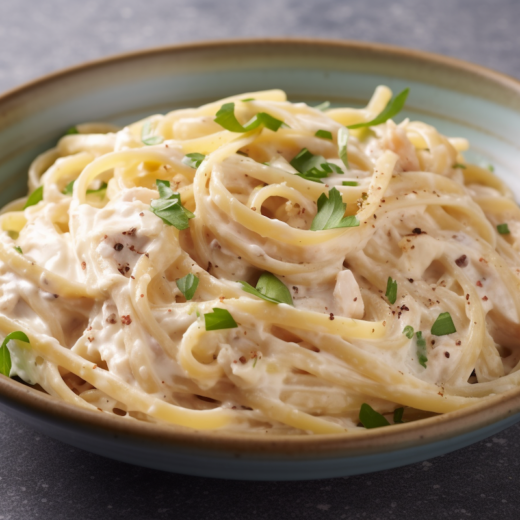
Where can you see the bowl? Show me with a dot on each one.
(459, 98)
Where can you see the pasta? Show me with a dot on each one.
(261, 266)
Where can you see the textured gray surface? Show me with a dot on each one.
(44, 479)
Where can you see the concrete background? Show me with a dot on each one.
(43, 479)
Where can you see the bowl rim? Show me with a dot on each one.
(369, 442)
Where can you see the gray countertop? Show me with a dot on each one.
(45, 479)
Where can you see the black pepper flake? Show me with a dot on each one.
(447, 354)
(417, 231)
(331, 316)
(462, 261)
(118, 247)
(410, 280)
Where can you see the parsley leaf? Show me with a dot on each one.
(247, 99)
(72, 130)
(169, 208)
(408, 331)
(19, 249)
(35, 197)
(147, 137)
(69, 188)
(5, 355)
(459, 165)
(313, 167)
(225, 117)
(391, 290)
(421, 349)
(393, 107)
(188, 285)
(219, 319)
(398, 415)
(443, 325)
(369, 418)
(100, 191)
(324, 134)
(350, 183)
(323, 106)
(193, 160)
(491, 168)
(343, 135)
(269, 288)
(330, 213)
(503, 229)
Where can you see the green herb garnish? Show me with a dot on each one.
(147, 137)
(35, 197)
(393, 107)
(398, 415)
(193, 160)
(169, 208)
(72, 130)
(503, 229)
(269, 288)
(408, 331)
(491, 168)
(219, 319)
(19, 249)
(391, 290)
(323, 106)
(254, 362)
(324, 134)
(369, 418)
(247, 99)
(313, 167)
(331, 213)
(459, 165)
(443, 325)
(343, 135)
(69, 188)
(225, 117)
(350, 183)
(5, 355)
(188, 285)
(99, 191)
(421, 349)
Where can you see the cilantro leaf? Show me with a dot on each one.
(193, 160)
(323, 106)
(343, 135)
(421, 349)
(324, 134)
(443, 325)
(503, 229)
(219, 319)
(269, 288)
(408, 331)
(398, 415)
(369, 418)
(69, 188)
(5, 355)
(226, 118)
(391, 290)
(19, 249)
(188, 285)
(147, 136)
(393, 107)
(169, 208)
(330, 213)
(35, 197)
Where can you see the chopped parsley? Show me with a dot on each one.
(69, 188)
(503, 229)
(350, 183)
(398, 415)
(491, 168)
(459, 165)
(193, 160)
(393, 107)
(188, 285)
(421, 349)
(408, 331)
(269, 288)
(169, 208)
(343, 135)
(331, 213)
(99, 191)
(35, 197)
(443, 325)
(219, 319)
(324, 134)
(391, 290)
(147, 136)
(226, 118)
(247, 99)
(19, 249)
(369, 418)
(72, 130)
(313, 167)
(5, 355)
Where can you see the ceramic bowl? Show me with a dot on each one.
(458, 98)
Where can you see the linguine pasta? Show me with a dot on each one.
(253, 265)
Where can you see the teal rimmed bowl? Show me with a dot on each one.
(458, 98)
